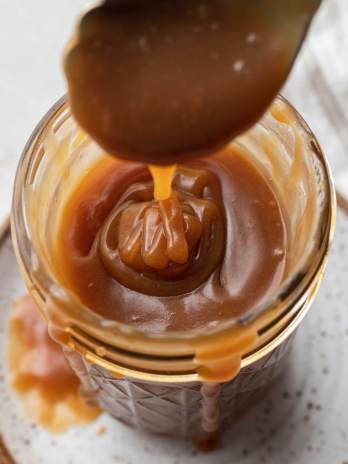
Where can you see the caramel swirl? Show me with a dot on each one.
(210, 252)
(167, 247)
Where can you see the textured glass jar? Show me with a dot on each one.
(159, 382)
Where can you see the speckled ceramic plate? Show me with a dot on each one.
(302, 420)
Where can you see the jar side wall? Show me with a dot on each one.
(286, 153)
(56, 156)
(176, 408)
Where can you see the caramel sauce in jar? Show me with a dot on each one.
(212, 250)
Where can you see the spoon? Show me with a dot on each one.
(162, 81)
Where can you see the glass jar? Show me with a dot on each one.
(180, 383)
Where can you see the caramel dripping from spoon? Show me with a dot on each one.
(171, 212)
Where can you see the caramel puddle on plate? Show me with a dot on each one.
(41, 375)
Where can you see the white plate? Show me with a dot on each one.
(302, 420)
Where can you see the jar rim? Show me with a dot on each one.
(284, 298)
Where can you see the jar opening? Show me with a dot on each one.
(282, 147)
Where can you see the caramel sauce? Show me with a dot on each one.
(162, 180)
(41, 375)
(211, 251)
(154, 235)
(162, 83)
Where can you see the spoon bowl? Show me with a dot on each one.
(168, 80)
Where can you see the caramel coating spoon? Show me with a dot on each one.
(162, 81)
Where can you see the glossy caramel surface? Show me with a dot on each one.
(210, 252)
